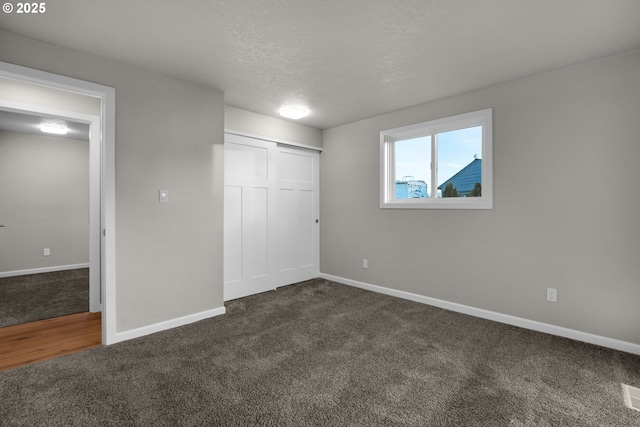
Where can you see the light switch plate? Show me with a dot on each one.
(163, 196)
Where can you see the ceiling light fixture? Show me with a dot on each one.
(57, 128)
(294, 113)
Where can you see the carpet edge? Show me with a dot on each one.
(534, 325)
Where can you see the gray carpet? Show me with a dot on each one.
(321, 353)
(34, 297)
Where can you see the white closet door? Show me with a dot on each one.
(249, 217)
(271, 230)
(298, 228)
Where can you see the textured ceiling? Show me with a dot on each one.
(344, 59)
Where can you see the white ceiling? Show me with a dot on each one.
(344, 59)
(30, 123)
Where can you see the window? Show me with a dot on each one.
(441, 164)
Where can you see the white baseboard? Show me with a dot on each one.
(167, 324)
(495, 316)
(42, 270)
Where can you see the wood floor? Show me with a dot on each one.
(45, 339)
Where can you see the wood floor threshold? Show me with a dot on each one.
(45, 339)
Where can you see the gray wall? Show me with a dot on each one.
(566, 204)
(44, 201)
(169, 135)
(259, 124)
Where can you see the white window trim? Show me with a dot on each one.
(388, 137)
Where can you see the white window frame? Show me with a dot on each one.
(431, 128)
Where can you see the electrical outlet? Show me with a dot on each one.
(552, 294)
(365, 263)
(46, 252)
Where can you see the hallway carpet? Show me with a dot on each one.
(25, 299)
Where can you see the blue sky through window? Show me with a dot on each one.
(456, 149)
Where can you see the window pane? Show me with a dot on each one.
(460, 163)
(414, 172)
(413, 160)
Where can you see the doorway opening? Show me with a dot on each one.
(102, 171)
(47, 177)
(52, 186)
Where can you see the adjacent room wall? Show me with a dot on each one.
(566, 203)
(261, 125)
(44, 193)
(169, 136)
(14, 90)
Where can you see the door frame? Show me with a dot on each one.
(106, 195)
(269, 139)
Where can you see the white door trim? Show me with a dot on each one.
(107, 129)
(269, 139)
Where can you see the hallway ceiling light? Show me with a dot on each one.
(55, 127)
(294, 113)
